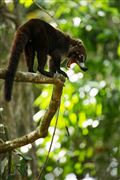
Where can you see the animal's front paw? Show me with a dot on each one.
(59, 77)
(31, 70)
(63, 73)
(45, 73)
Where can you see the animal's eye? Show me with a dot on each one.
(81, 57)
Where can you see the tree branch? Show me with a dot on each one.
(42, 130)
(34, 77)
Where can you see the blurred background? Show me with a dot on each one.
(90, 106)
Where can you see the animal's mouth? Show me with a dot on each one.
(70, 61)
(80, 64)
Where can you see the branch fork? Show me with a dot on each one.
(42, 130)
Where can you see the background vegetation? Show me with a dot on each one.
(90, 105)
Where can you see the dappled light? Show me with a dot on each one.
(86, 144)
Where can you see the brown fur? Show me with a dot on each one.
(40, 37)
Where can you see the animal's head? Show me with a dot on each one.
(77, 54)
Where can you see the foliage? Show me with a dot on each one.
(90, 104)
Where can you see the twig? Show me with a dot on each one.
(45, 163)
(46, 12)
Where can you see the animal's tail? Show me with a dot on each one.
(19, 43)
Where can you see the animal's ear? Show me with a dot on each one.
(74, 42)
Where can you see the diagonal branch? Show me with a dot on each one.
(42, 130)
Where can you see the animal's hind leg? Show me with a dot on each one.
(52, 65)
(29, 56)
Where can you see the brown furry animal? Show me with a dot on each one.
(40, 37)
